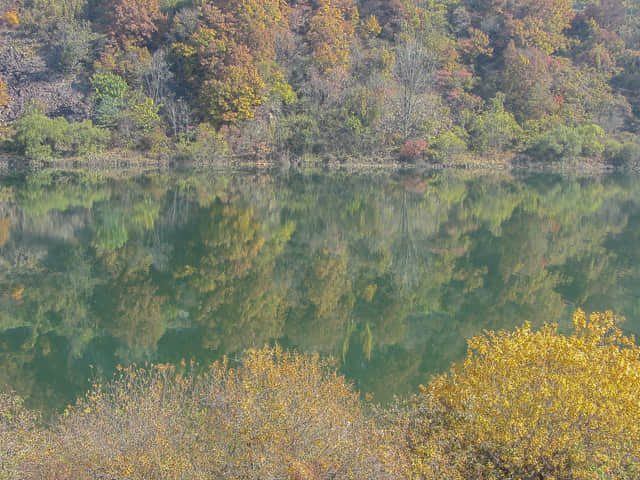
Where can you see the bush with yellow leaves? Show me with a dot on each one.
(276, 415)
(4, 96)
(10, 18)
(534, 405)
(523, 405)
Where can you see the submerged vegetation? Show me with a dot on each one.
(524, 404)
(413, 80)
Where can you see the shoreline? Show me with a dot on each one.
(109, 162)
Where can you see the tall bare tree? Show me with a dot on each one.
(414, 70)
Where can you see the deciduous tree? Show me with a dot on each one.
(134, 20)
(331, 34)
(230, 59)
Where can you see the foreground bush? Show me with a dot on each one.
(20, 439)
(523, 405)
(277, 415)
(534, 405)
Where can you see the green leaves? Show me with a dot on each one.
(109, 97)
(42, 138)
(565, 143)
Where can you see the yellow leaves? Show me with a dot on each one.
(372, 27)
(230, 59)
(282, 90)
(522, 60)
(10, 18)
(477, 44)
(530, 398)
(331, 34)
(16, 292)
(183, 50)
(275, 414)
(369, 291)
(523, 404)
(579, 320)
(203, 38)
(233, 95)
(4, 100)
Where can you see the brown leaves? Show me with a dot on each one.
(134, 21)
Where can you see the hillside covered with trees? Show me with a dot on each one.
(415, 80)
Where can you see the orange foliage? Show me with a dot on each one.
(134, 21)
(331, 34)
(10, 18)
(231, 58)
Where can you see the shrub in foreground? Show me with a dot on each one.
(20, 439)
(277, 415)
(523, 405)
(533, 405)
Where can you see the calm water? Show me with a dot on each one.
(388, 272)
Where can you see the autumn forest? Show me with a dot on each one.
(346, 80)
(231, 248)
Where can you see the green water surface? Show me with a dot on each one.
(389, 272)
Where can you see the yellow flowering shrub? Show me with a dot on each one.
(533, 405)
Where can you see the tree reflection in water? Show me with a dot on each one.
(390, 273)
